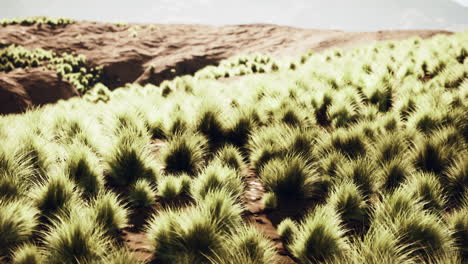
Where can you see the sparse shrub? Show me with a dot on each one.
(18, 222)
(424, 234)
(121, 256)
(184, 154)
(110, 212)
(240, 126)
(389, 147)
(171, 188)
(320, 237)
(142, 194)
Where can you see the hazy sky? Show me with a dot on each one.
(361, 15)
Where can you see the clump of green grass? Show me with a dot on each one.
(55, 196)
(431, 155)
(216, 177)
(209, 123)
(173, 187)
(15, 173)
(270, 201)
(230, 156)
(142, 194)
(287, 229)
(247, 246)
(18, 222)
(240, 126)
(290, 178)
(28, 254)
(72, 241)
(361, 172)
(349, 143)
(351, 206)
(457, 181)
(121, 256)
(109, 212)
(458, 223)
(427, 188)
(84, 168)
(130, 160)
(184, 154)
(196, 233)
(320, 237)
(394, 173)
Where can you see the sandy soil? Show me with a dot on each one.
(126, 52)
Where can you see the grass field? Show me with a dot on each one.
(367, 145)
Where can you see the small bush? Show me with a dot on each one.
(142, 194)
(320, 237)
(184, 154)
(18, 221)
(110, 212)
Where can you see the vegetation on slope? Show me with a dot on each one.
(372, 141)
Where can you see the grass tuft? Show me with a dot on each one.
(18, 222)
(184, 154)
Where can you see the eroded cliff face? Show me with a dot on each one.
(146, 53)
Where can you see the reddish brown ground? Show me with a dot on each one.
(126, 52)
